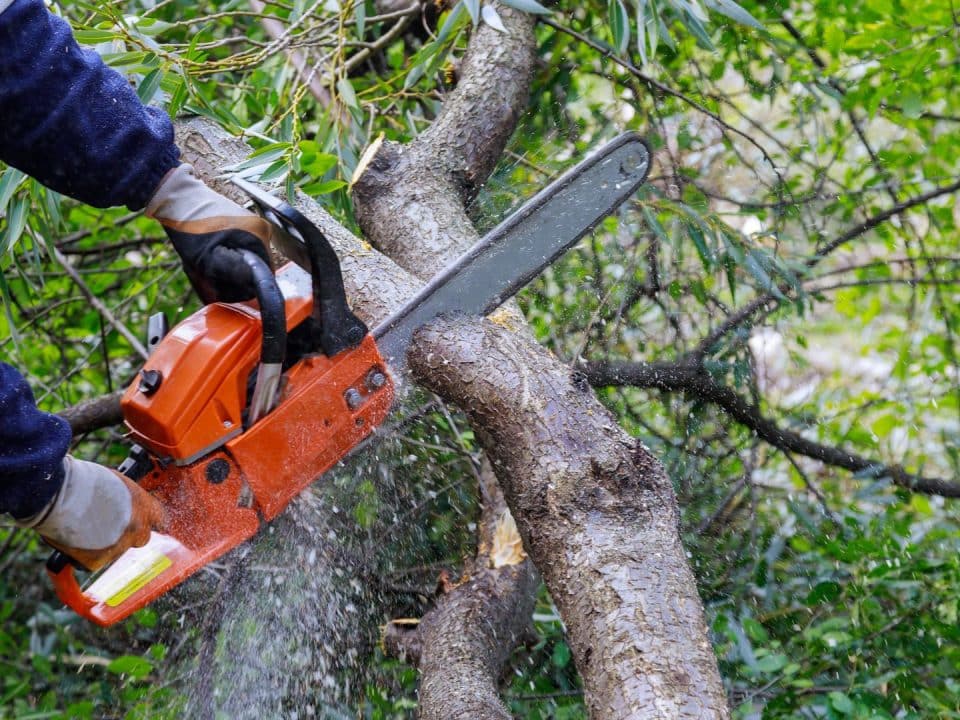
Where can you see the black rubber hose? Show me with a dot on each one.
(273, 315)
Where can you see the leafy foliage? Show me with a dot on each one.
(781, 130)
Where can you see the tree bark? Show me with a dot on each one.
(597, 514)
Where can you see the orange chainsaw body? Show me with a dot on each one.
(218, 480)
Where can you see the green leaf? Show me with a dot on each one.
(697, 29)
(360, 18)
(452, 21)
(771, 663)
(16, 222)
(492, 18)
(345, 90)
(94, 37)
(700, 243)
(473, 7)
(755, 268)
(827, 591)
(276, 169)
(841, 702)
(323, 187)
(264, 156)
(619, 24)
(561, 655)
(416, 72)
(527, 6)
(9, 182)
(132, 665)
(755, 630)
(733, 11)
(148, 86)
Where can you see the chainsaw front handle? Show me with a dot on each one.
(273, 320)
(334, 324)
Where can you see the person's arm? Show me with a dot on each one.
(90, 512)
(79, 128)
(32, 447)
(70, 121)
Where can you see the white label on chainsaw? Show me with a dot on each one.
(186, 332)
(134, 569)
(294, 282)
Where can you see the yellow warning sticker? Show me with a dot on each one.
(155, 568)
(134, 569)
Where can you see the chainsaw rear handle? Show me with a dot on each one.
(334, 326)
(61, 572)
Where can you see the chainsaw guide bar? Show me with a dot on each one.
(241, 406)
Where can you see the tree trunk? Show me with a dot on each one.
(596, 511)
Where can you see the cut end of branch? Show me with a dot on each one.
(507, 546)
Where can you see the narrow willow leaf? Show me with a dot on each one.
(642, 30)
(733, 11)
(452, 21)
(698, 30)
(5, 295)
(473, 7)
(619, 25)
(9, 182)
(93, 37)
(700, 243)
(492, 18)
(323, 187)
(527, 6)
(754, 266)
(416, 72)
(16, 221)
(360, 17)
(275, 170)
(148, 86)
(345, 90)
(653, 27)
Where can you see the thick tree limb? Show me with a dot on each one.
(688, 377)
(597, 514)
(406, 191)
(461, 645)
(410, 203)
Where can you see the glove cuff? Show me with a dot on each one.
(91, 511)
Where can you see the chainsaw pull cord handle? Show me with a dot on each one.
(273, 319)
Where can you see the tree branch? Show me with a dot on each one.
(688, 377)
(769, 300)
(597, 514)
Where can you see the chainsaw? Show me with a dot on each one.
(241, 406)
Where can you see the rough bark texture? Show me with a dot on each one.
(410, 203)
(456, 668)
(462, 644)
(597, 514)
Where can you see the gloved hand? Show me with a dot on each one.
(97, 514)
(207, 230)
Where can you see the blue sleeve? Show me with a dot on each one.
(32, 446)
(70, 121)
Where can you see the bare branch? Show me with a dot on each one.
(688, 377)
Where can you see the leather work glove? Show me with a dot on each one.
(97, 514)
(207, 230)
